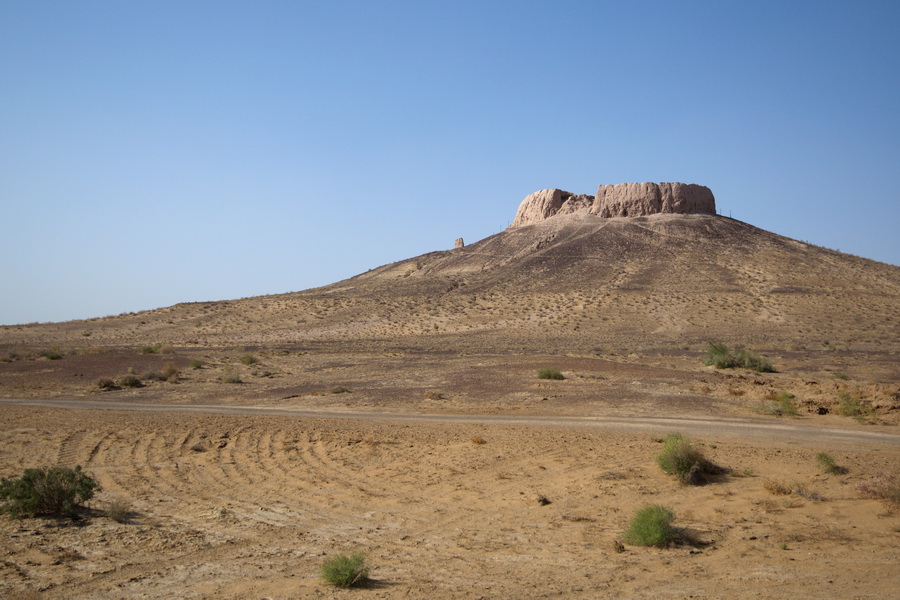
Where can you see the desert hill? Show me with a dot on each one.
(568, 282)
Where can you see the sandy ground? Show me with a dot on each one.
(516, 491)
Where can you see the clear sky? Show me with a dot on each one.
(160, 152)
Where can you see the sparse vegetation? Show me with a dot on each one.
(170, 372)
(231, 375)
(478, 440)
(54, 354)
(828, 465)
(195, 363)
(346, 571)
(249, 359)
(550, 373)
(680, 458)
(651, 526)
(883, 487)
(722, 357)
(849, 406)
(153, 376)
(777, 488)
(150, 349)
(779, 405)
(338, 389)
(129, 381)
(119, 511)
(106, 384)
(57, 491)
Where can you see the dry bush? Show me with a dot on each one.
(170, 372)
(883, 487)
(129, 381)
(249, 359)
(119, 511)
(550, 373)
(106, 384)
(778, 488)
(231, 375)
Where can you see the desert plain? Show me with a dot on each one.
(399, 414)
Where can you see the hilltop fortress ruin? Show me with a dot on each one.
(620, 200)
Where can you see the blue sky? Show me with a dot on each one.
(160, 152)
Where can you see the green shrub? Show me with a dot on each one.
(550, 373)
(683, 460)
(849, 406)
(719, 356)
(651, 526)
(46, 491)
(780, 405)
(722, 357)
(196, 363)
(346, 571)
(150, 349)
(826, 462)
(249, 359)
(54, 354)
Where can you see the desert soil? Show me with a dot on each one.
(458, 476)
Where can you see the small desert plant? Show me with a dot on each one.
(346, 571)
(131, 381)
(478, 440)
(150, 349)
(119, 511)
(153, 376)
(883, 487)
(550, 373)
(230, 375)
(338, 389)
(170, 372)
(196, 363)
(46, 491)
(722, 357)
(651, 526)
(777, 488)
(249, 359)
(851, 407)
(780, 405)
(827, 464)
(683, 460)
(107, 384)
(54, 354)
